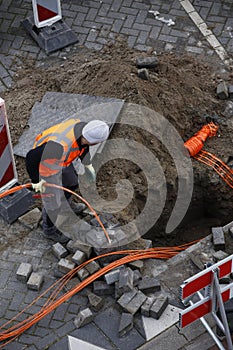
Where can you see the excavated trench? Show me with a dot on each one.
(182, 89)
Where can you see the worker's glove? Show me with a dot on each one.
(90, 173)
(39, 187)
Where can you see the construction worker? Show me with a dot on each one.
(50, 160)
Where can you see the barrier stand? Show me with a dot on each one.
(13, 206)
(47, 26)
(205, 287)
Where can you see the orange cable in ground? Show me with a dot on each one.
(221, 168)
(195, 144)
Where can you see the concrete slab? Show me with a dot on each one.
(56, 107)
(75, 344)
(108, 321)
(93, 336)
(154, 327)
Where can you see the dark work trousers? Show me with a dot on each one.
(60, 201)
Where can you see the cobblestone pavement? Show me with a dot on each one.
(95, 22)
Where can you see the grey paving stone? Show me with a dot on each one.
(65, 265)
(82, 274)
(158, 306)
(60, 345)
(24, 272)
(66, 328)
(83, 318)
(59, 251)
(79, 257)
(91, 334)
(48, 340)
(60, 311)
(102, 288)
(145, 308)
(135, 303)
(112, 276)
(108, 321)
(126, 323)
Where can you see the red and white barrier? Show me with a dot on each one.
(46, 12)
(203, 307)
(204, 278)
(8, 174)
(206, 287)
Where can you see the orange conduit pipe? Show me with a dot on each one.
(196, 142)
(132, 255)
(20, 187)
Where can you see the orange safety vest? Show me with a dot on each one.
(63, 134)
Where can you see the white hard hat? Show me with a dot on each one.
(96, 131)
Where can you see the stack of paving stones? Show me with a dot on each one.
(128, 295)
(134, 293)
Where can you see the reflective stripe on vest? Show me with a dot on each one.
(63, 134)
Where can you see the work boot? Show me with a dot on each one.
(56, 236)
(77, 208)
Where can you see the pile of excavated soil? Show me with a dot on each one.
(182, 89)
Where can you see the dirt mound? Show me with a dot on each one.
(182, 89)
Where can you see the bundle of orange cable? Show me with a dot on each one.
(54, 301)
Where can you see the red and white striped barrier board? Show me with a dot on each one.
(203, 307)
(204, 278)
(8, 174)
(46, 12)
